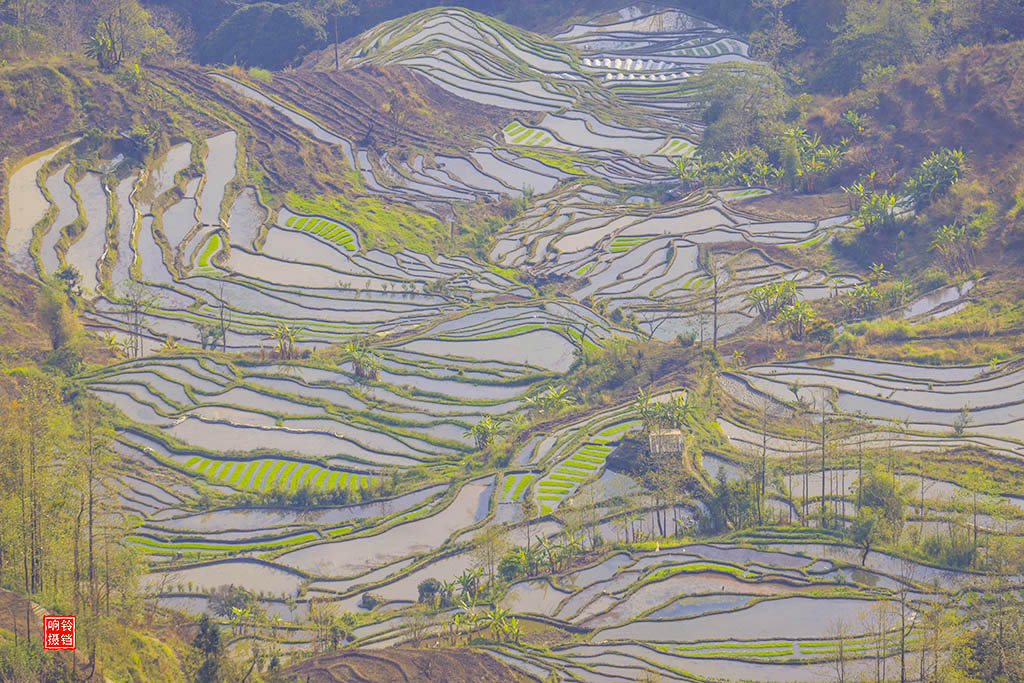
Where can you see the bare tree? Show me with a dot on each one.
(839, 633)
(881, 617)
(649, 318)
(764, 461)
(333, 10)
(907, 614)
(716, 273)
(225, 321)
(136, 302)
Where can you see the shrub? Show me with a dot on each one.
(890, 329)
(933, 278)
(260, 75)
(22, 41)
(226, 598)
(428, 589)
(846, 342)
(953, 550)
(370, 600)
(934, 176)
(510, 568)
(69, 358)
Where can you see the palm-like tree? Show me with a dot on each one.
(485, 431)
(758, 299)
(761, 172)
(239, 617)
(512, 629)
(527, 559)
(469, 583)
(548, 548)
(691, 170)
(796, 317)
(447, 592)
(797, 135)
(732, 162)
(102, 50)
(677, 410)
(456, 623)
(572, 544)
(365, 363)
(956, 245)
(551, 399)
(769, 298)
(286, 336)
(810, 172)
(646, 410)
(496, 620)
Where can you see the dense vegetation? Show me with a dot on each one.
(905, 114)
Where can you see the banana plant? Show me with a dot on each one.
(496, 621)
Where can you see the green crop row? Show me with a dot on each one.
(326, 229)
(695, 567)
(621, 244)
(266, 474)
(213, 245)
(164, 547)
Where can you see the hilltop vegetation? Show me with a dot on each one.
(615, 347)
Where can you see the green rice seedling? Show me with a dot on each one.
(307, 478)
(524, 481)
(257, 482)
(321, 477)
(293, 481)
(286, 473)
(506, 485)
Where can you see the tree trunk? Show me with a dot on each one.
(337, 63)
(78, 534)
(92, 537)
(24, 534)
(823, 462)
(714, 314)
(764, 465)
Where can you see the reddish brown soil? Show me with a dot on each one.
(358, 105)
(22, 339)
(403, 665)
(797, 207)
(972, 99)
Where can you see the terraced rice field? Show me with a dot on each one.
(275, 474)
(913, 406)
(325, 229)
(711, 610)
(219, 444)
(571, 463)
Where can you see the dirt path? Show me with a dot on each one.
(16, 610)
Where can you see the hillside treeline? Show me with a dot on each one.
(61, 527)
(830, 45)
(271, 35)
